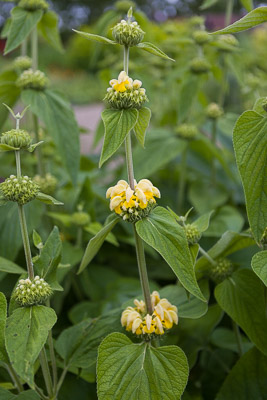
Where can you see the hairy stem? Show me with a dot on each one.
(46, 373)
(182, 180)
(14, 378)
(213, 140)
(62, 377)
(23, 47)
(229, 12)
(207, 256)
(79, 238)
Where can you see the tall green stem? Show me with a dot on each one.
(34, 48)
(46, 373)
(52, 356)
(238, 338)
(14, 378)
(213, 140)
(229, 12)
(207, 256)
(182, 180)
(23, 47)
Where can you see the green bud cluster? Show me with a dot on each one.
(80, 218)
(47, 183)
(214, 111)
(127, 33)
(22, 63)
(197, 21)
(32, 5)
(187, 131)
(136, 214)
(16, 138)
(221, 271)
(200, 65)
(229, 40)
(264, 104)
(131, 98)
(192, 233)
(20, 190)
(31, 292)
(30, 79)
(201, 37)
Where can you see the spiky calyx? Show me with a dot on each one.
(32, 5)
(22, 63)
(32, 292)
(214, 111)
(192, 233)
(81, 218)
(30, 79)
(127, 33)
(47, 183)
(201, 37)
(17, 138)
(187, 131)
(200, 65)
(128, 99)
(19, 190)
(221, 271)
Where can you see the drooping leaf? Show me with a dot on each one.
(22, 23)
(96, 38)
(26, 333)
(56, 112)
(144, 115)
(259, 265)
(151, 48)
(95, 227)
(247, 379)
(96, 242)
(250, 144)
(236, 296)
(3, 317)
(253, 18)
(118, 124)
(45, 198)
(10, 267)
(140, 369)
(48, 26)
(165, 235)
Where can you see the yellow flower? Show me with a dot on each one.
(122, 83)
(131, 203)
(136, 319)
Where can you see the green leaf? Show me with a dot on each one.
(5, 28)
(202, 222)
(207, 4)
(9, 92)
(253, 18)
(236, 296)
(250, 144)
(26, 333)
(37, 240)
(225, 338)
(248, 4)
(6, 147)
(47, 264)
(3, 317)
(22, 24)
(96, 38)
(226, 218)
(258, 106)
(96, 242)
(48, 27)
(56, 112)
(96, 227)
(165, 235)
(144, 115)
(6, 395)
(247, 380)
(33, 146)
(187, 96)
(140, 369)
(151, 48)
(259, 265)
(118, 124)
(45, 198)
(10, 267)
(205, 197)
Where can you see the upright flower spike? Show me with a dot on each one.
(125, 93)
(127, 33)
(30, 79)
(136, 320)
(132, 205)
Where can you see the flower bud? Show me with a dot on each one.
(201, 37)
(187, 131)
(197, 20)
(214, 111)
(30, 79)
(264, 104)
(20, 190)
(200, 65)
(80, 218)
(47, 183)
(127, 33)
(192, 233)
(22, 63)
(32, 292)
(221, 271)
(32, 5)
(229, 41)
(16, 138)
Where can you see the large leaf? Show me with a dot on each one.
(96, 242)
(95, 38)
(118, 124)
(151, 48)
(26, 333)
(55, 111)
(250, 144)
(259, 265)
(22, 23)
(253, 18)
(48, 26)
(27, 395)
(10, 267)
(144, 115)
(247, 380)
(9, 93)
(243, 298)
(3, 316)
(164, 234)
(139, 371)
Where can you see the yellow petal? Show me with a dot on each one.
(115, 202)
(108, 192)
(136, 324)
(129, 194)
(117, 190)
(140, 195)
